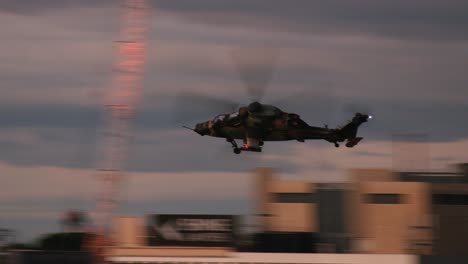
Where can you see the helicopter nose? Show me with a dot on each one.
(202, 128)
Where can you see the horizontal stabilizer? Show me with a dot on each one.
(353, 142)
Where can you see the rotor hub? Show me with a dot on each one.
(254, 107)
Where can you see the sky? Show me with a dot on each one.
(405, 62)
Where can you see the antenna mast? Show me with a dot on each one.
(120, 103)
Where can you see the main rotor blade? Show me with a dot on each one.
(255, 67)
(316, 105)
(191, 106)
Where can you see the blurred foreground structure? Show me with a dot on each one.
(378, 211)
(378, 216)
(121, 102)
(412, 213)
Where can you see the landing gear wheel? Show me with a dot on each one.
(236, 150)
(261, 143)
(337, 145)
(233, 142)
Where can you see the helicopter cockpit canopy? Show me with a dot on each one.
(219, 118)
(231, 119)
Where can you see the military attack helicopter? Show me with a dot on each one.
(257, 123)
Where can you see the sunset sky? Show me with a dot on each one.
(406, 61)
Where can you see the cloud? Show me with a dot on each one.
(32, 199)
(430, 20)
(426, 20)
(47, 59)
(26, 7)
(71, 135)
(77, 48)
(21, 184)
(163, 150)
(42, 193)
(313, 158)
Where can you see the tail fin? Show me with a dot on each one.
(349, 130)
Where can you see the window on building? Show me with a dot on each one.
(295, 198)
(383, 198)
(450, 199)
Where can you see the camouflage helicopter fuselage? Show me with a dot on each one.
(257, 124)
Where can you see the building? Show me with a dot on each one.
(132, 236)
(377, 211)
(310, 213)
(389, 216)
(414, 213)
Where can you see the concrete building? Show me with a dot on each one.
(131, 238)
(415, 213)
(377, 211)
(288, 209)
(285, 206)
(390, 217)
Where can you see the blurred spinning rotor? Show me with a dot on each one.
(255, 67)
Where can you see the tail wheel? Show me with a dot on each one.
(236, 150)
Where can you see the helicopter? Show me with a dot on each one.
(257, 123)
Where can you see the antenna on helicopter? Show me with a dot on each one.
(189, 128)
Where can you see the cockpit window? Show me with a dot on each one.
(231, 119)
(233, 115)
(219, 118)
